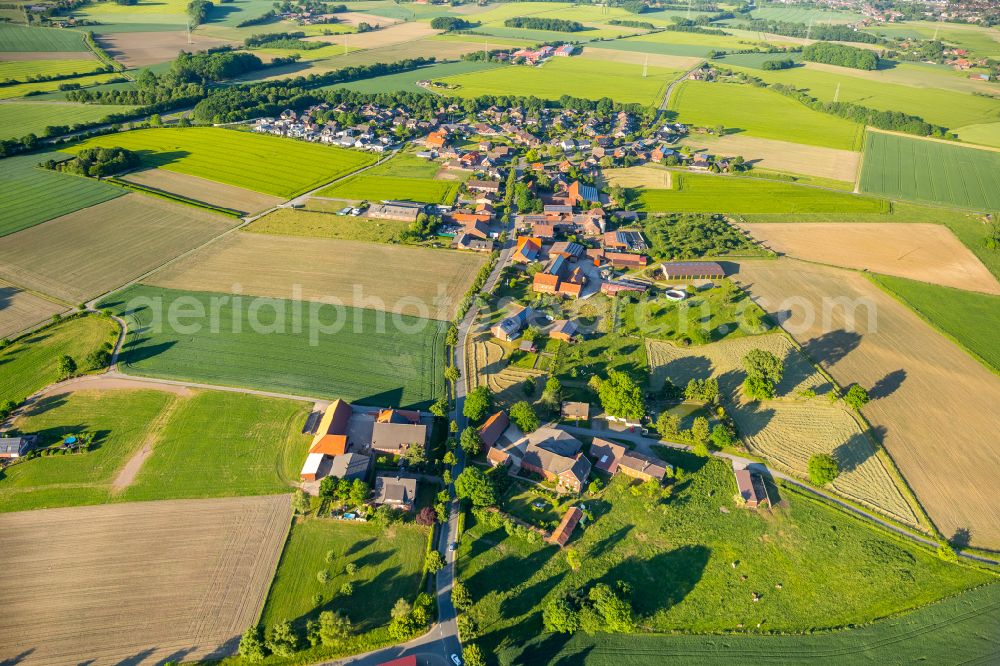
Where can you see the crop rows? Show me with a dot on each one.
(20, 38)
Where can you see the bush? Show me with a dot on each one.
(823, 468)
(524, 417)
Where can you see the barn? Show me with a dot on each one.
(693, 270)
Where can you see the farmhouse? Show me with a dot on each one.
(566, 526)
(510, 327)
(494, 426)
(563, 329)
(559, 278)
(331, 434)
(693, 270)
(396, 491)
(350, 466)
(401, 211)
(397, 430)
(528, 249)
(15, 447)
(466, 241)
(616, 459)
(492, 186)
(549, 452)
(625, 259)
(751, 488)
(625, 240)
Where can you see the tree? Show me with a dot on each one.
(471, 442)
(452, 374)
(559, 617)
(621, 396)
(451, 337)
(668, 425)
(523, 415)
(252, 645)
(323, 576)
(434, 562)
(401, 609)
(947, 553)
(449, 458)
(384, 516)
(474, 485)
(440, 408)
(415, 454)
(477, 403)
(347, 589)
(823, 468)
(65, 367)
(617, 612)
(300, 502)
(282, 639)
(7, 408)
(333, 627)
(473, 655)
(351, 569)
(762, 363)
(758, 388)
(328, 486)
(721, 437)
(460, 597)
(359, 492)
(699, 432)
(426, 516)
(857, 397)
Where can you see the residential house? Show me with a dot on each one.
(549, 452)
(558, 277)
(15, 447)
(494, 426)
(528, 250)
(484, 186)
(576, 411)
(402, 211)
(350, 466)
(625, 240)
(616, 459)
(578, 192)
(510, 327)
(466, 241)
(396, 491)
(397, 430)
(563, 329)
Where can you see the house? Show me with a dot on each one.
(528, 249)
(559, 278)
(484, 186)
(565, 50)
(494, 426)
(563, 329)
(625, 260)
(311, 468)
(750, 486)
(396, 430)
(569, 250)
(350, 466)
(396, 491)
(436, 140)
(577, 411)
(402, 211)
(15, 447)
(616, 459)
(606, 455)
(510, 327)
(466, 241)
(693, 270)
(625, 240)
(579, 192)
(549, 452)
(566, 526)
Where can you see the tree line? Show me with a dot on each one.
(534, 23)
(840, 54)
(451, 23)
(827, 33)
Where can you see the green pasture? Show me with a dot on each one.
(763, 113)
(695, 569)
(319, 220)
(342, 355)
(591, 79)
(32, 195)
(408, 80)
(970, 318)
(805, 15)
(986, 134)
(377, 188)
(268, 164)
(19, 70)
(724, 194)
(22, 38)
(922, 170)
(86, 81)
(19, 119)
(983, 42)
(159, 12)
(405, 164)
(389, 567)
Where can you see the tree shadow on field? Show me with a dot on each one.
(372, 559)
(831, 348)
(888, 385)
(227, 649)
(662, 581)
(961, 538)
(507, 571)
(608, 542)
(160, 158)
(854, 452)
(137, 658)
(390, 398)
(530, 597)
(177, 656)
(44, 404)
(359, 546)
(17, 659)
(139, 350)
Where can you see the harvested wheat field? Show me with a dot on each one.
(649, 177)
(926, 252)
(141, 49)
(485, 367)
(415, 281)
(394, 51)
(797, 158)
(679, 63)
(354, 18)
(137, 583)
(393, 34)
(792, 427)
(932, 404)
(207, 191)
(20, 309)
(86, 253)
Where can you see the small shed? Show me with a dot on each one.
(568, 523)
(310, 470)
(751, 488)
(578, 411)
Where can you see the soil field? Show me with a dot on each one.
(201, 189)
(21, 309)
(18, 119)
(141, 49)
(157, 581)
(32, 195)
(932, 404)
(421, 282)
(791, 428)
(21, 38)
(926, 252)
(648, 177)
(911, 168)
(268, 164)
(782, 156)
(86, 253)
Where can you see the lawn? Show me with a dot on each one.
(29, 364)
(389, 567)
(319, 221)
(268, 164)
(334, 352)
(18, 119)
(969, 318)
(589, 79)
(408, 80)
(406, 164)
(19, 70)
(21, 38)
(911, 168)
(720, 194)
(379, 188)
(32, 195)
(763, 113)
(693, 568)
(717, 313)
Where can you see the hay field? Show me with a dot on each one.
(417, 281)
(320, 221)
(678, 63)
(141, 49)
(933, 405)
(157, 581)
(926, 252)
(86, 253)
(485, 367)
(649, 177)
(393, 34)
(831, 163)
(23, 89)
(20, 309)
(923, 170)
(268, 164)
(790, 428)
(201, 189)
(366, 55)
(408, 80)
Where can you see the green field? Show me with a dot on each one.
(983, 42)
(951, 631)
(21, 38)
(408, 80)
(23, 89)
(29, 364)
(720, 194)
(986, 134)
(933, 171)
(349, 358)
(590, 79)
(697, 50)
(18, 119)
(389, 567)
(805, 15)
(694, 569)
(971, 319)
(268, 164)
(762, 113)
(406, 164)
(19, 70)
(378, 188)
(320, 221)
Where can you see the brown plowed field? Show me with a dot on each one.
(932, 404)
(137, 583)
(207, 191)
(20, 309)
(140, 49)
(782, 155)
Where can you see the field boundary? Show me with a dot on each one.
(959, 144)
(170, 196)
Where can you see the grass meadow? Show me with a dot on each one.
(22, 89)
(19, 119)
(21, 38)
(971, 319)
(350, 358)
(933, 171)
(693, 568)
(19, 70)
(377, 188)
(986, 134)
(408, 80)
(33, 195)
(763, 113)
(268, 164)
(721, 194)
(319, 221)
